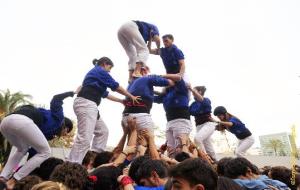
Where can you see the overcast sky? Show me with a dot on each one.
(245, 52)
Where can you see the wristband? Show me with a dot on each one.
(126, 180)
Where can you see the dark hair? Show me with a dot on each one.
(27, 182)
(47, 167)
(181, 156)
(284, 175)
(149, 166)
(238, 166)
(68, 124)
(102, 158)
(220, 110)
(221, 165)
(201, 89)
(265, 170)
(89, 156)
(106, 178)
(72, 175)
(135, 165)
(196, 171)
(103, 60)
(170, 36)
(225, 183)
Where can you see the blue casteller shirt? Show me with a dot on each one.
(95, 84)
(201, 110)
(170, 57)
(147, 29)
(143, 87)
(275, 183)
(175, 101)
(53, 118)
(200, 107)
(239, 129)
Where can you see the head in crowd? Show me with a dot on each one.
(106, 178)
(104, 62)
(225, 183)
(27, 182)
(103, 158)
(135, 165)
(2, 185)
(49, 185)
(72, 175)
(67, 126)
(284, 175)
(221, 165)
(88, 160)
(239, 168)
(201, 89)
(168, 40)
(265, 170)
(47, 167)
(152, 173)
(193, 174)
(181, 156)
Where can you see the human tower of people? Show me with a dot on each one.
(28, 128)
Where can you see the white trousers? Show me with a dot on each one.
(243, 146)
(133, 43)
(23, 133)
(143, 121)
(203, 138)
(89, 129)
(175, 128)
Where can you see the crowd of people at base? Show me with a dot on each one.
(28, 128)
(142, 166)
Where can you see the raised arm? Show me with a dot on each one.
(196, 94)
(182, 67)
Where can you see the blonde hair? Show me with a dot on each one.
(49, 185)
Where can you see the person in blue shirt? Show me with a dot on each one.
(236, 127)
(90, 125)
(144, 88)
(201, 110)
(171, 55)
(134, 36)
(175, 100)
(30, 127)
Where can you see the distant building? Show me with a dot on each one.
(278, 144)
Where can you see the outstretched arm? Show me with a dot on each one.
(114, 99)
(124, 92)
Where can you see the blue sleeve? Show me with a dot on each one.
(57, 102)
(154, 30)
(206, 102)
(158, 81)
(105, 94)
(108, 81)
(159, 99)
(178, 54)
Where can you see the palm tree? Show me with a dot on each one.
(275, 144)
(8, 103)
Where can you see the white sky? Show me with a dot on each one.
(245, 52)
